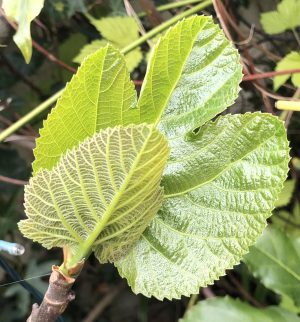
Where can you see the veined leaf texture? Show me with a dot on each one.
(220, 181)
(101, 195)
(218, 196)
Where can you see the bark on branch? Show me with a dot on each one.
(56, 299)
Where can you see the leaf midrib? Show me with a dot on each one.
(159, 116)
(86, 247)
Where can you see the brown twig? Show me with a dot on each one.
(252, 77)
(243, 291)
(207, 292)
(218, 10)
(271, 94)
(13, 181)
(152, 14)
(130, 11)
(57, 296)
(52, 58)
(249, 68)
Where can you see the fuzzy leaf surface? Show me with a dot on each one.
(100, 95)
(23, 12)
(101, 195)
(219, 190)
(275, 261)
(285, 17)
(233, 310)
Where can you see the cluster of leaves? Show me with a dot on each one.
(206, 219)
(286, 17)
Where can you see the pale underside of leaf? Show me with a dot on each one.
(100, 95)
(233, 310)
(275, 261)
(212, 212)
(101, 195)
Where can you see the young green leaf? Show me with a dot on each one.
(118, 31)
(220, 186)
(275, 261)
(100, 95)
(285, 17)
(207, 74)
(290, 61)
(227, 309)
(193, 74)
(23, 12)
(101, 195)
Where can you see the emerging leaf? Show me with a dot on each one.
(101, 195)
(275, 261)
(23, 12)
(193, 74)
(290, 61)
(118, 31)
(233, 310)
(100, 95)
(285, 17)
(220, 187)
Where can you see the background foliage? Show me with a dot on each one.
(266, 285)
